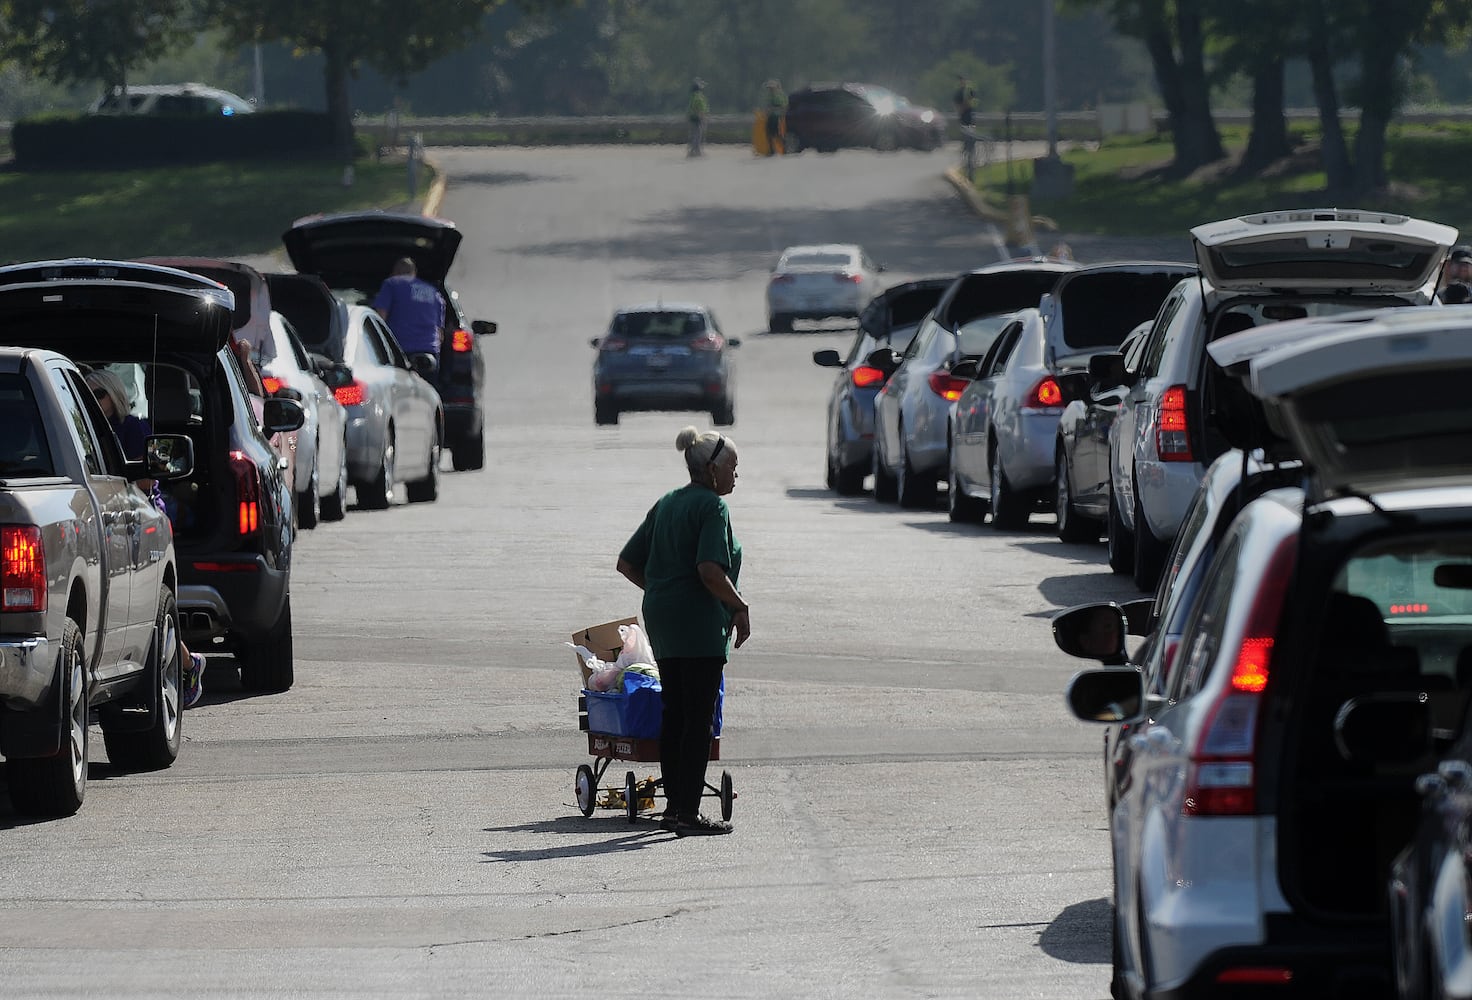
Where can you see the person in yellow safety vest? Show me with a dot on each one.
(776, 108)
(698, 111)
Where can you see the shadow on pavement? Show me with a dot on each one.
(1080, 934)
(632, 838)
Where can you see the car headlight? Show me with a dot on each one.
(927, 117)
(884, 106)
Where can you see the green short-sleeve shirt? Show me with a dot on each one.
(683, 529)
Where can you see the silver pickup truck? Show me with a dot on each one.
(89, 631)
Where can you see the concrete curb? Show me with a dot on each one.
(436, 195)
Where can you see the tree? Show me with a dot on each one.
(89, 41)
(1240, 46)
(395, 37)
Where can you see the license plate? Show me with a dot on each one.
(658, 361)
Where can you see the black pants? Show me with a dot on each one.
(689, 687)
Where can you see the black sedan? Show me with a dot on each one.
(832, 116)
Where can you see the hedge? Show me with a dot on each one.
(108, 142)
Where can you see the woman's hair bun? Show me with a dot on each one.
(686, 438)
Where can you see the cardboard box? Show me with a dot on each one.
(603, 640)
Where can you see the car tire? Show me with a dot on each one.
(885, 141)
(378, 493)
(309, 501)
(335, 504)
(780, 323)
(268, 665)
(961, 507)
(1073, 527)
(604, 414)
(56, 785)
(886, 489)
(156, 747)
(724, 414)
(913, 490)
(469, 452)
(1149, 551)
(792, 144)
(1009, 511)
(1120, 541)
(848, 480)
(427, 490)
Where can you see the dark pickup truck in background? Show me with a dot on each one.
(89, 629)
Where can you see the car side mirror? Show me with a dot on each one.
(483, 327)
(1386, 728)
(733, 341)
(287, 392)
(425, 365)
(1074, 384)
(885, 359)
(1092, 632)
(827, 358)
(1106, 695)
(282, 415)
(1137, 615)
(165, 456)
(967, 368)
(1107, 370)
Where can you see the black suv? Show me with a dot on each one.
(832, 116)
(232, 515)
(354, 251)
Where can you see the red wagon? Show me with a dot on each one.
(637, 795)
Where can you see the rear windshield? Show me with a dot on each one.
(658, 324)
(819, 260)
(23, 449)
(1291, 257)
(988, 294)
(1099, 310)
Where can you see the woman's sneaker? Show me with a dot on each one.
(700, 826)
(193, 679)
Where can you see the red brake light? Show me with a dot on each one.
(947, 386)
(708, 341)
(272, 384)
(1221, 778)
(1046, 395)
(352, 394)
(247, 493)
(1172, 437)
(22, 568)
(849, 279)
(865, 376)
(462, 341)
(613, 344)
(1256, 975)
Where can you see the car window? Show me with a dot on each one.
(818, 260)
(23, 447)
(386, 342)
(1161, 334)
(298, 350)
(1201, 639)
(977, 336)
(79, 426)
(996, 355)
(1134, 350)
(377, 352)
(668, 324)
(922, 340)
(1175, 595)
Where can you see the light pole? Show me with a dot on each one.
(1051, 177)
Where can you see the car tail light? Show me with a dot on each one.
(1046, 395)
(22, 568)
(849, 279)
(1256, 975)
(782, 279)
(1221, 777)
(613, 344)
(247, 493)
(867, 376)
(272, 384)
(1172, 437)
(947, 386)
(352, 394)
(708, 341)
(462, 341)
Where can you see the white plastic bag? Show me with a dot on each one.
(636, 647)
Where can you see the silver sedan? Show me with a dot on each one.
(819, 282)
(321, 483)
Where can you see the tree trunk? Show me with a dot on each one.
(1379, 93)
(339, 104)
(1269, 139)
(1333, 151)
(1204, 143)
(1167, 77)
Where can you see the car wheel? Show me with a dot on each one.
(335, 504)
(469, 452)
(780, 323)
(1009, 513)
(724, 414)
(961, 506)
(379, 493)
(848, 480)
(1120, 540)
(427, 490)
(604, 413)
(156, 747)
(885, 141)
(886, 490)
(267, 665)
(309, 501)
(792, 143)
(1073, 528)
(1149, 551)
(914, 491)
(56, 785)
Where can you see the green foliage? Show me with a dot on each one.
(85, 41)
(994, 88)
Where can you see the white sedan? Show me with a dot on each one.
(820, 282)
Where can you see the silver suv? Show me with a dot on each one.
(1254, 270)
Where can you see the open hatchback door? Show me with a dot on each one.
(358, 249)
(1370, 401)
(1324, 250)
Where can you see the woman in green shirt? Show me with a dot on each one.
(687, 561)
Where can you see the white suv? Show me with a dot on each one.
(1254, 270)
(187, 99)
(1273, 779)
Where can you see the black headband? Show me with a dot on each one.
(720, 443)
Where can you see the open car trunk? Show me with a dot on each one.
(1091, 311)
(358, 249)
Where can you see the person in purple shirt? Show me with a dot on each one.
(414, 309)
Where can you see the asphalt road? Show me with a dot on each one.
(917, 816)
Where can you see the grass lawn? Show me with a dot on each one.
(223, 210)
(1119, 188)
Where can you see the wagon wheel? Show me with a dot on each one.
(631, 796)
(728, 796)
(586, 787)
